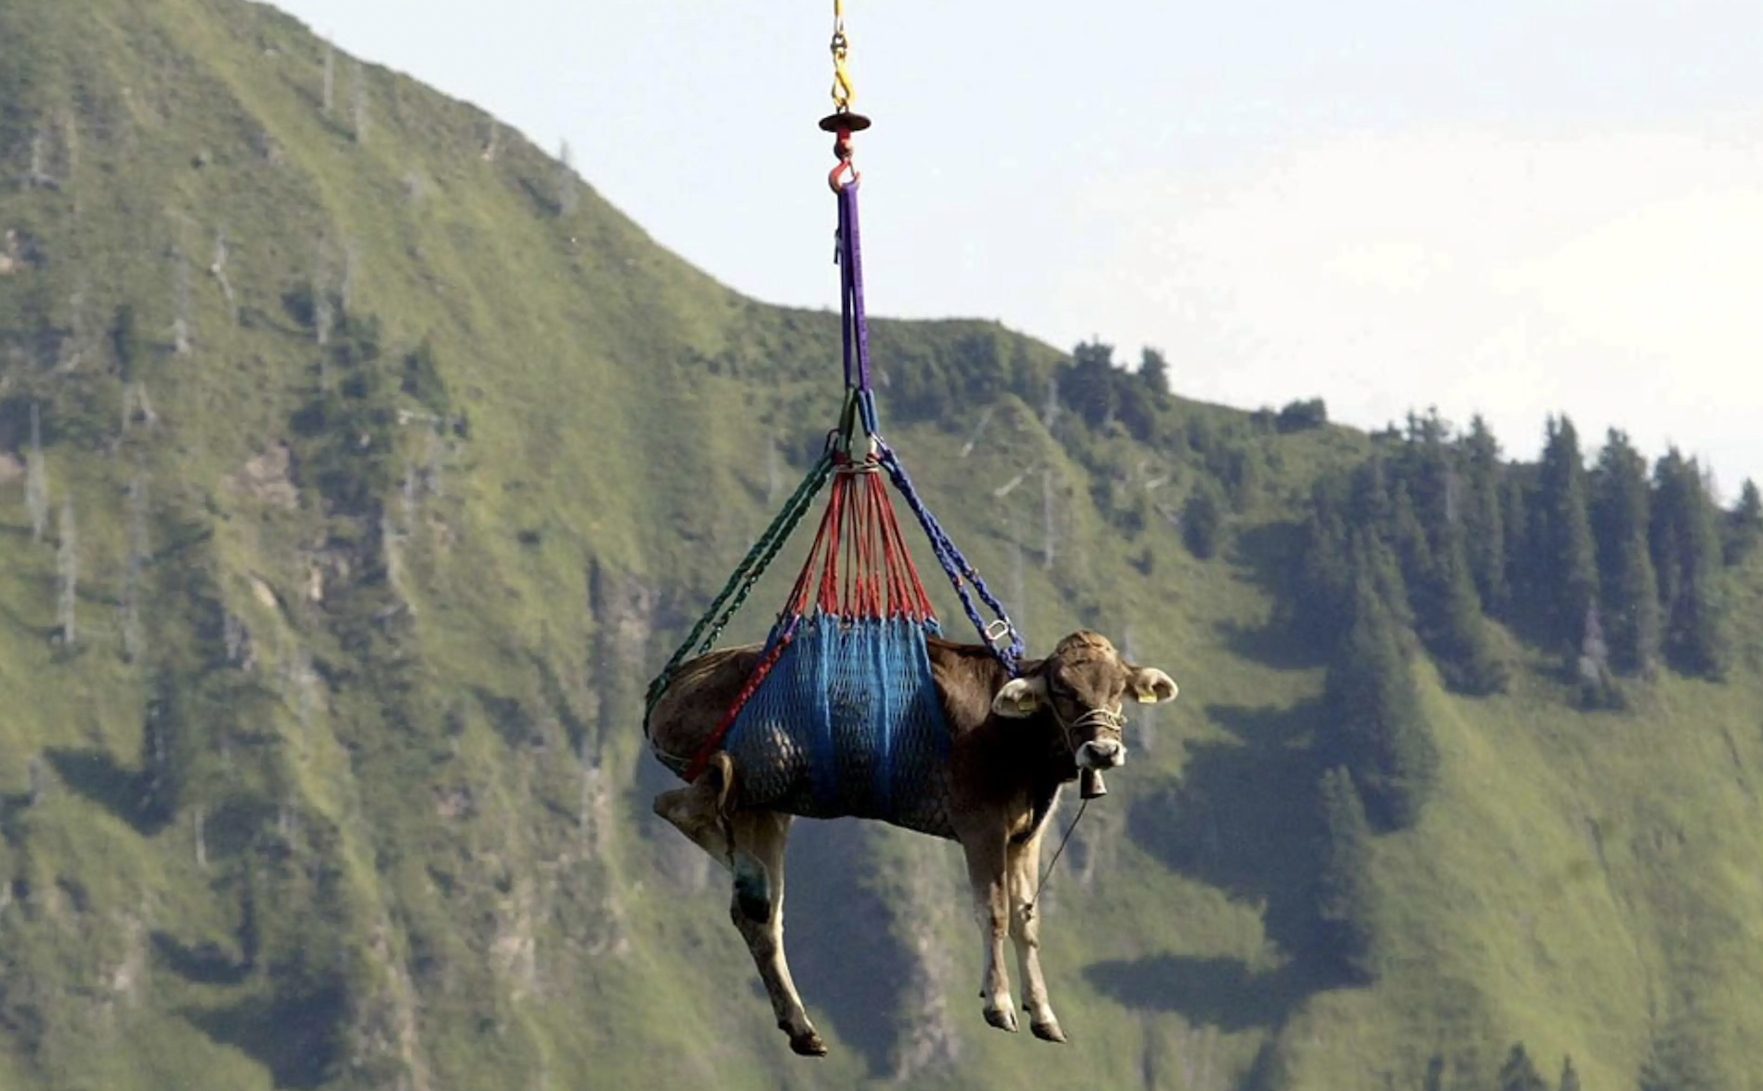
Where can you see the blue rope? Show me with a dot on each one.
(854, 320)
(955, 565)
(855, 331)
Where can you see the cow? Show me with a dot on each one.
(1013, 743)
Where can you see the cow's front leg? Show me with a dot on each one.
(1025, 929)
(760, 836)
(986, 860)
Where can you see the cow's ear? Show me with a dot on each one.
(1151, 686)
(1020, 697)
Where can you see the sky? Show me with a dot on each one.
(1511, 207)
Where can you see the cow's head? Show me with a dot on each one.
(1083, 684)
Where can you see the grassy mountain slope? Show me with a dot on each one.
(339, 782)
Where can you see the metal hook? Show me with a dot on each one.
(833, 180)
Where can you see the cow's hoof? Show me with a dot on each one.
(1002, 1018)
(752, 890)
(808, 1044)
(1048, 1031)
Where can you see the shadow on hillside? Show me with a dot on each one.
(298, 1040)
(12, 812)
(1275, 645)
(509, 718)
(1243, 819)
(544, 201)
(848, 965)
(205, 964)
(1266, 553)
(574, 727)
(1219, 992)
(96, 775)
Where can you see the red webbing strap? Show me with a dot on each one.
(825, 541)
(864, 570)
(702, 758)
(867, 600)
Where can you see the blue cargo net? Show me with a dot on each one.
(848, 723)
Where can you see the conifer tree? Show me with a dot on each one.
(1517, 500)
(1665, 534)
(1410, 538)
(1745, 525)
(1202, 520)
(1687, 557)
(1324, 584)
(1457, 632)
(125, 336)
(1344, 897)
(1369, 497)
(1378, 729)
(1484, 524)
(1429, 473)
(1154, 373)
(1567, 574)
(1709, 644)
(1429, 532)
(1141, 402)
(1370, 558)
(1089, 384)
(1519, 1073)
(1621, 524)
(1569, 1076)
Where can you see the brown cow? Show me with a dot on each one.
(1014, 743)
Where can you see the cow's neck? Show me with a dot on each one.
(1055, 759)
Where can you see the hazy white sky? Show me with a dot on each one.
(1513, 206)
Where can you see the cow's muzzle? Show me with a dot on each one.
(1101, 754)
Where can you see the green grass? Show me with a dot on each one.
(430, 906)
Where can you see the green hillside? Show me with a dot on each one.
(359, 464)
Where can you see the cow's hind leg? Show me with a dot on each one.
(1025, 930)
(701, 811)
(760, 836)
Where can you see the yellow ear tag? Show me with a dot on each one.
(1147, 696)
(1025, 705)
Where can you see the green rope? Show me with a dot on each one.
(734, 593)
(847, 423)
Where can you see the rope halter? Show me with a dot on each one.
(1104, 720)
